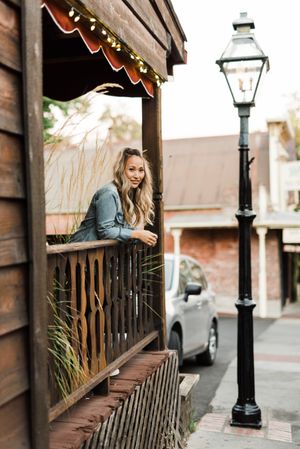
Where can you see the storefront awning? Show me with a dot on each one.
(120, 64)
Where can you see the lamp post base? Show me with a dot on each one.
(246, 415)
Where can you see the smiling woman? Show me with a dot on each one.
(120, 209)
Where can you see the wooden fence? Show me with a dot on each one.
(100, 314)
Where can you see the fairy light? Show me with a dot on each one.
(114, 43)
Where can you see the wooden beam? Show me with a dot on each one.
(171, 24)
(147, 15)
(152, 141)
(33, 139)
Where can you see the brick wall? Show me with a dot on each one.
(217, 251)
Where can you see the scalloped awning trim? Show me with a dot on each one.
(116, 60)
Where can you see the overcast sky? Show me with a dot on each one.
(197, 101)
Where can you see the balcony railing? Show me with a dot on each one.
(101, 299)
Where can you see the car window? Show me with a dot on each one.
(198, 275)
(169, 267)
(184, 275)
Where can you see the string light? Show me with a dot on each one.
(76, 15)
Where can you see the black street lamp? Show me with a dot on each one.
(242, 63)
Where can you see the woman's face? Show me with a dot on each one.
(134, 171)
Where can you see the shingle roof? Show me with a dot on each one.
(204, 171)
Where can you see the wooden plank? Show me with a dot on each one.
(11, 167)
(13, 366)
(70, 247)
(33, 137)
(10, 102)
(13, 418)
(148, 17)
(13, 252)
(92, 383)
(128, 28)
(12, 215)
(13, 306)
(10, 54)
(152, 140)
(189, 381)
(170, 20)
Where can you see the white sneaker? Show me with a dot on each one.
(115, 372)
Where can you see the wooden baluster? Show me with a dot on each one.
(93, 360)
(145, 281)
(121, 297)
(73, 258)
(51, 302)
(140, 296)
(82, 312)
(115, 303)
(107, 304)
(150, 290)
(101, 317)
(134, 291)
(128, 296)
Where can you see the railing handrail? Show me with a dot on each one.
(70, 247)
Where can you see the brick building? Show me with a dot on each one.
(201, 198)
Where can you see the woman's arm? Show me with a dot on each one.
(147, 237)
(106, 211)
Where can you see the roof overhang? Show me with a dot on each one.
(116, 42)
(273, 220)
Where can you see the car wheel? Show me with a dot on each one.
(208, 357)
(175, 343)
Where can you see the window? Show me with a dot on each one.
(198, 275)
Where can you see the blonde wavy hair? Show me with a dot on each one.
(137, 203)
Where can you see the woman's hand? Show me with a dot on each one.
(147, 237)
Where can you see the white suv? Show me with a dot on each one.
(192, 320)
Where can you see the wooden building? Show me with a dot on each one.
(62, 49)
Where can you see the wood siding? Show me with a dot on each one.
(14, 373)
(17, 171)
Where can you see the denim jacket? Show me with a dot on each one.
(104, 218)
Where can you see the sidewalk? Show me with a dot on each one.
(277, 383)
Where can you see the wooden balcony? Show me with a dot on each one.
(101, 297)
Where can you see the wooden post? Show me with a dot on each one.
(33, 140)
(152, 142)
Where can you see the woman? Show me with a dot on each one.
(120, 209)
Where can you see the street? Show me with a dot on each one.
(211, 376)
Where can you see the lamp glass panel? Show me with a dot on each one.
(242, 46)
(242, 77)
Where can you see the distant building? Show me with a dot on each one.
(201, 177)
